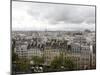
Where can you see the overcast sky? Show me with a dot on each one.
(43, 16)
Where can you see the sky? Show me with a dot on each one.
(54, 17)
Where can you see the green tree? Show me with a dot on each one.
(59, 62)
(69, 64)
(56, 63)
(14, 55)
(23, 64)
(38, 60)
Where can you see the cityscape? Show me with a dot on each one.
(44, 40)
(43, 49)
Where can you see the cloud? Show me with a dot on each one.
(67, 13)
(52, 16)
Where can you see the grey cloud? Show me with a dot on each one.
(55, 16)
(71, 15)
(67, 13)
(91, 20)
